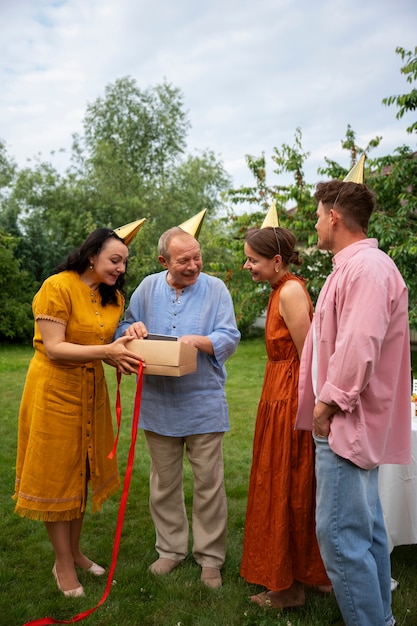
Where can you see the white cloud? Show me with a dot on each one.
(251, 72)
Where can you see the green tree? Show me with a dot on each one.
(132, 140)
(129, 163)
(392, 179)
(43, 211)
(196, 183)
(407, 102)
(250, 299)
(16, 322)
(394, 223)
(7, 170)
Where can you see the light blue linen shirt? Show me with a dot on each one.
(195, 403)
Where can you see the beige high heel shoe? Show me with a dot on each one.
(95, 569)
(78, 592)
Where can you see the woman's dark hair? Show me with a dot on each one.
(79, 259)
(270, 241)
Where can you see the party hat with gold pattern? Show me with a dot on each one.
(193, 225)
(356, 174)
(271, 218)
(128, 231)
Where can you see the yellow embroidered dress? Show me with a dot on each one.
(65, 422)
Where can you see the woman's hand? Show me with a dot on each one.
(60, 350)
(119, 356)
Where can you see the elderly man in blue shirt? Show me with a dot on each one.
(189, 411)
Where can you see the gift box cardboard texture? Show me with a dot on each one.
(165, 358)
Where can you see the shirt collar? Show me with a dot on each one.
(347, 253)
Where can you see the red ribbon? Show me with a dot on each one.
(44, 621)
(118, 416)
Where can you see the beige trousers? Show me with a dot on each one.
(167, 506)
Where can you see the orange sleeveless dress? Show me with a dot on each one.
(280, 544)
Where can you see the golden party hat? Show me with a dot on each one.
(356, 174)
(128, 231)
(271, 218)
(193, 225)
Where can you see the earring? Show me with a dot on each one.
(91, 266)
(276, 270)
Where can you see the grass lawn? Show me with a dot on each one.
(28, 590)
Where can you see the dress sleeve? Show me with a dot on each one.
(52, 302)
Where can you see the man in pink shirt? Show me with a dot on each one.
(354, 393)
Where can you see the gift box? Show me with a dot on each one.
(165, 358)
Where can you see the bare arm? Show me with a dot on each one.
(58, 349)
(294, 307)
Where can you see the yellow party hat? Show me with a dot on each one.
(128, 231)
(271, 218)
(193, 225)
(356, 174)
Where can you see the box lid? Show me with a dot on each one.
(159, 352)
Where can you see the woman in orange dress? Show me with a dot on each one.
(65, 422)
(280, 547)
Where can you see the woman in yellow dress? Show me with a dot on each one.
(65, 424)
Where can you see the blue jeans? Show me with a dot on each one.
(352, 538)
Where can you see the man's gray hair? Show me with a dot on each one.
(165, 240)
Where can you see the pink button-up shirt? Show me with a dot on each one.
(362, 349)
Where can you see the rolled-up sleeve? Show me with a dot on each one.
(361, 328)
(225, 335)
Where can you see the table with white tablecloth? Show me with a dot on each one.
(398, 494)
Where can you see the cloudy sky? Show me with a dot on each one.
(251, 71)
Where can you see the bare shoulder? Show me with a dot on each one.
(294, 299)
(293, 289)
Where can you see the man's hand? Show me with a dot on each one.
(322, 418)
(137, 330)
